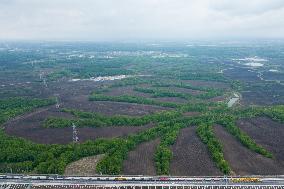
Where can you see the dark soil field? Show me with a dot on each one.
(75, 95)
(213, 84)
(30, 127)
(141, 160)
(129, 91)
(171, 99)
(21, 89)
(269, 94)
(273, 76)
(268, 133)
(242, 160)
(190, 156)
(110, 108)
(242, 74)
(182, 90)
(255, 90)
(126, 91)
(87, 133)
(66, 88)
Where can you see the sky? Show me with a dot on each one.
(112, 20)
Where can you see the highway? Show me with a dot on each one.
(138, 182)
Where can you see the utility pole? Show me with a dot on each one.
(75, 134)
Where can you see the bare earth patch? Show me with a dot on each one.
(84, 167)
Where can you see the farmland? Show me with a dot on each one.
(158, 110)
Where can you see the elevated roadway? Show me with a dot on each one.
(138, 182)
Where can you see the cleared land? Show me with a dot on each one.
(84, 167)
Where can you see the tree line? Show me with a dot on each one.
(132, 99)
(90, 119)
(210, 93)
(229, 123)
(163, 154)
(205, 133)
(12, 107)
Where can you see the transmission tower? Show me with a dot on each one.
(75, 133)
(57, 102)
(42, 77)
(44, 82)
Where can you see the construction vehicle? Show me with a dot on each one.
(120, 178)
(245, 179)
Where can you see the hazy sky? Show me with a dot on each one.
(140, 19)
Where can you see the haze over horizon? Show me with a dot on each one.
(110, 20)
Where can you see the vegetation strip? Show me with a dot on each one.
(12, 107)
(88, 119)
(206, 134)
(163, 153)
(229, 124)
(132, 99)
